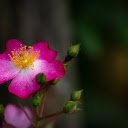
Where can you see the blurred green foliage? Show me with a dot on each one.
(102, 28)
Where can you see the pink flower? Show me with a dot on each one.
(22, 64)
(16, 117)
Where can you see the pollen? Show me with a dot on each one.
(24, 56)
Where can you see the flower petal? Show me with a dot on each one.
(16, 117)
(52, 70)
(13, 44)
(4, 56)
(7, 70)
(24, 83)
(45, 52)
(10, 45)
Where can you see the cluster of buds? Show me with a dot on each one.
(72, 106)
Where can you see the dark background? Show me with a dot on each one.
(102, 66)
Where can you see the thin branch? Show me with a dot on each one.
(54, 115)
(22, 108)
(67, 59)
(46, 87)
(50, 118)
(42, 106)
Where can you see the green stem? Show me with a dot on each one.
(46, 87)
(53, 115)
(43, 103)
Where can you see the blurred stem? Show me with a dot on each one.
(22, 108)
(43, 93)
(53, 115)
(42, 106)
(50, 118)
(67, 59)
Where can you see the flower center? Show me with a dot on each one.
(24, 56)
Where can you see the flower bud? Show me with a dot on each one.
(1, 108)
(56, 81)
(73, 50)
(40, 78)
(65, 66)
(70, 107)
(76, 95)
(36, 100)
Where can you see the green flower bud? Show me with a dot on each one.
(70, 107)
(56, 81)
(41, 78)
(36, 100)
(1, 108)
(65, 66)
(73, 50)
(76, 95)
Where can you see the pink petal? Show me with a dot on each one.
(4, 56)
(13, 44)
(10, 45)
(7, 70)
(52, 70)
(16, 117)
(45, 52)
(24, 83)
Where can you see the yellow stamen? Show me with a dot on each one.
(24, 57)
